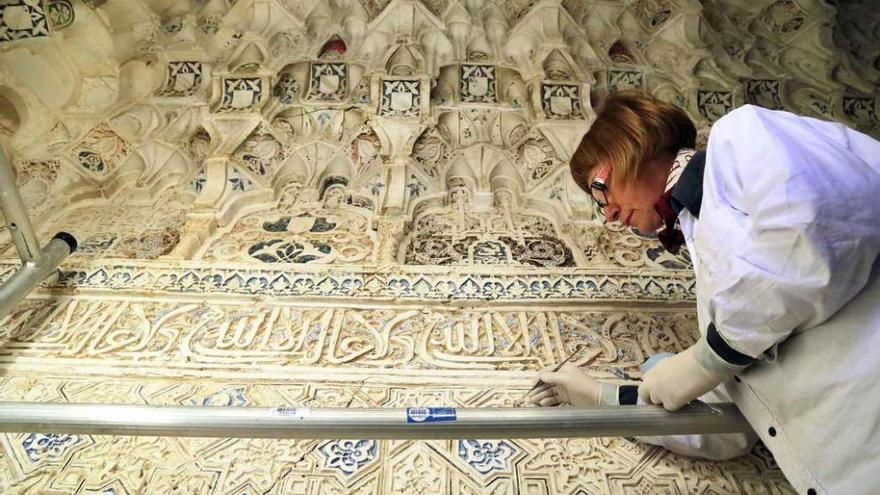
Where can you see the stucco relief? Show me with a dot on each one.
(131, 231)
(616, 245)
(332, 232)
(404, 162)
(501, 236)
(183, 336)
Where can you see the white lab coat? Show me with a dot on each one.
(784, 253)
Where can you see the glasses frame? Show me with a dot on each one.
(598, 189)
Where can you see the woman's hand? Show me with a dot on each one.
(569, 385)
(675, 381)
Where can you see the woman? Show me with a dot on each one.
(781, 216)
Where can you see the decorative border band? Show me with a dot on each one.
(356, 282)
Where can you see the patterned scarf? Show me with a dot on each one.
(670, 236)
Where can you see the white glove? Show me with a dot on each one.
(677, 380)
(569, 385)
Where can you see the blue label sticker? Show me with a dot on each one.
(429, 414)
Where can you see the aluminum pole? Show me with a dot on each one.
(32, 273)
(17, 219)
(341, 423)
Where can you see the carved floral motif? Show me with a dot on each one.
(503, 236)
(319, 235)
(621, 246)
(45, 170)
(260, 153)
(101, 151)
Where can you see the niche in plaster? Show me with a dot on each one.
(560, 96)
(333, 49)
(405, 61)
(9, 118)
(619, 53)
(60, 13)
(260, 154)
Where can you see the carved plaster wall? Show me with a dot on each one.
(365, 203)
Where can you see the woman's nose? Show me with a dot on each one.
(612, 213)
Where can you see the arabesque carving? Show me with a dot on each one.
(365, 204)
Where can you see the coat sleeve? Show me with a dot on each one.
(807, 193)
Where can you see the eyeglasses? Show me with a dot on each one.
(599, 190)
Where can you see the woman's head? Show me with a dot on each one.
(633, 141)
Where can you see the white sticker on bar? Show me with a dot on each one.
(294, 412)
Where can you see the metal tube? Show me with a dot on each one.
(19, 223)
(32, 273)
(341, 423)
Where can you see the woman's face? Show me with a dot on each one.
(632, 202)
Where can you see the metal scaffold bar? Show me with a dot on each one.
(340, 423)
(16, 215)
(37, 263)
(31, 274)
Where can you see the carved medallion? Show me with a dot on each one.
(241, 94)
(861, 110)
(22, 19)
(400, 98)
(714, 104)
(764, 92)
(477, 83)
(328, 81)
(183, 79)
(620, 79)
(561, 101)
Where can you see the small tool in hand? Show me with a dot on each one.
(558, 367)
(623, 375)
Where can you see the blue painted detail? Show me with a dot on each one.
(228, 397)
(38, 446)
(485, 456)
